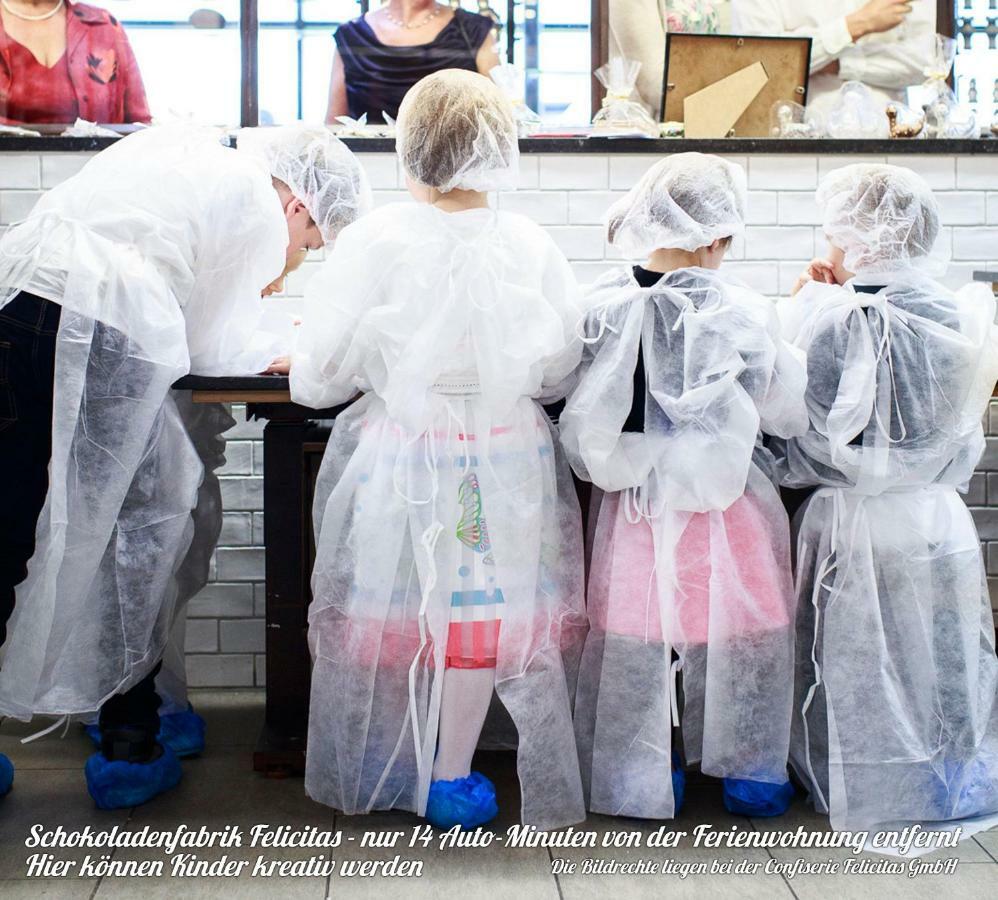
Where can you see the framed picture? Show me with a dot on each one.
(695, 62)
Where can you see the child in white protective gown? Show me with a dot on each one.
(690, 574)
(448, 536)
(896, 719)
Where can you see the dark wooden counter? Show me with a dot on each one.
(660, 147)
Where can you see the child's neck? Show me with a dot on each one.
(458, 200)
(670, 260)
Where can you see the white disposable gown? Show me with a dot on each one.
(157, 252)
(691, 546)
(896, 719)
(452, 325)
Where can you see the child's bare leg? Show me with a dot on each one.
(467, 694)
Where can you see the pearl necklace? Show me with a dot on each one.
(27, 18)
(395, 20)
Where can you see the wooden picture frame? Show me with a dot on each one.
(696, 61)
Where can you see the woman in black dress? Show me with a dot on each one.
(380, 55)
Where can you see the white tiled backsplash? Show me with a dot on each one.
(568, 195)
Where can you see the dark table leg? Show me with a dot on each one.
(286, 493)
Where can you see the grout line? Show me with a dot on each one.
(327, 890)
(985, 849)
(769, 852)
(114, 850)
(557, 882)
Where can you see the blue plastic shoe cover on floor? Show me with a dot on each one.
(183, 732)
(468, 802)
(121, 784)
(757, 798)
(678, 783)
(978, 789)
(6, 774)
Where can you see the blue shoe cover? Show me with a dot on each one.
(757, 798)
(468, 802)
(678, 783)
(6, 774)
(978, 789)
(183, 732)
(120, 784)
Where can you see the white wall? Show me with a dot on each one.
(568, 195)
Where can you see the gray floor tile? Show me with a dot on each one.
(48, 889)
(968, 882)
(495, 872)
(233, 717)
(221, 789)
(49, 752)
(989, 841)
(50, 799)
(212, 888)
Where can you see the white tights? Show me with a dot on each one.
(467, 694)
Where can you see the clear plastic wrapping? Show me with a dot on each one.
(621, 112)
(510, 81)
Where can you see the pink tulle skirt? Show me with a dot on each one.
(728, 580)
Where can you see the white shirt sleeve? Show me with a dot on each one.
(764, 17)
(891, 66)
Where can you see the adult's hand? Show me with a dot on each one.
(877, 16)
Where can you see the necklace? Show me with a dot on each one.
(27, 18)
(395, 20)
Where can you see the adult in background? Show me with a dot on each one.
(638, 29)
(382, 54)
(885, 44)
(60, 61)
(146, 265)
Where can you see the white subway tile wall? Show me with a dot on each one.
(568, 194)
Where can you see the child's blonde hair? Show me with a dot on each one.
(456, 129)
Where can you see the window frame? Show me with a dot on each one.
(249, 29)
(249, 37)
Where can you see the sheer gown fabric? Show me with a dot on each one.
(691, 547)
(454, 326)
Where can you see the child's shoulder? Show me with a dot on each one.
(393, 222)
(524, 228)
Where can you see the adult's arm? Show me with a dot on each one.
(637, 31)
(893, 65)
(242, 249)
(337, 104)
(764, 17)
(833, 36)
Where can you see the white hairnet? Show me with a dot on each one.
(683, 202)
(884, 218)
(319, 170)
(456, 129)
